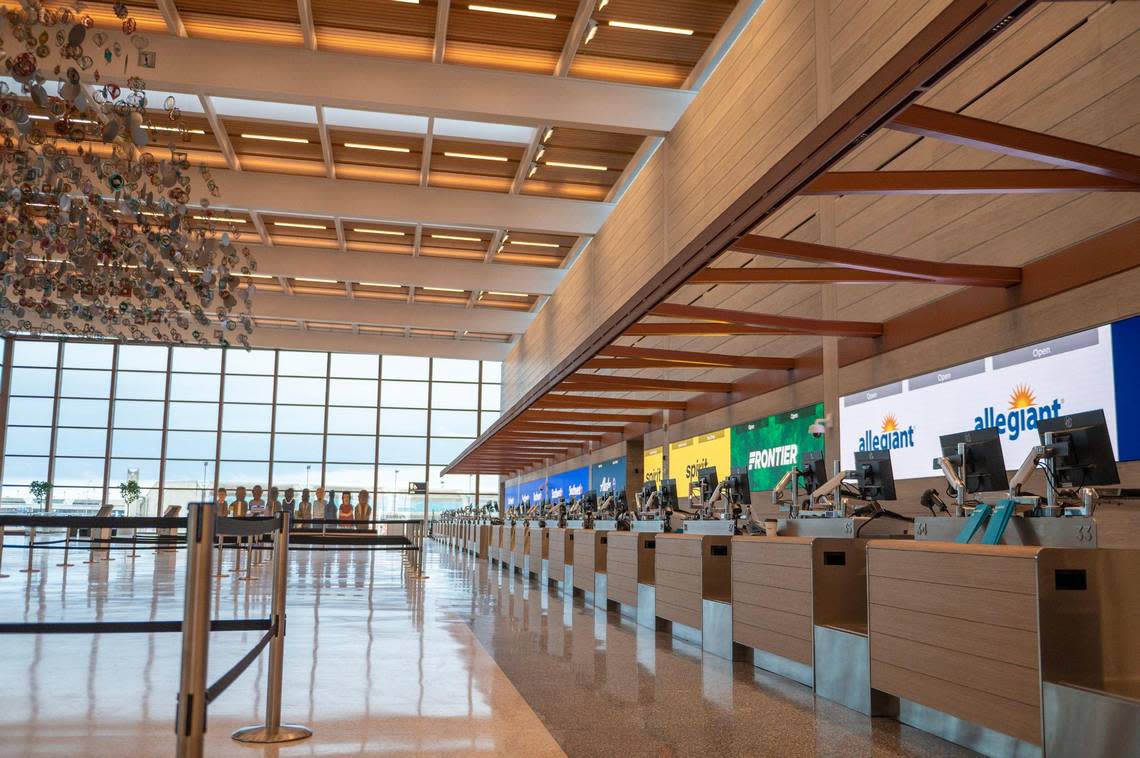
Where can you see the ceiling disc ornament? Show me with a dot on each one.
(101, 234)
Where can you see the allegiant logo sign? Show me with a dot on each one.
(785, 455)
(890, 436)
(1021, 416)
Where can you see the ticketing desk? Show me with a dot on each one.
(560, 563)
(800, 605)
(629, 571)
(1009, 649)
(520, 545)
(693, 588)
(538, 552)
(590, 565)
(496, 549)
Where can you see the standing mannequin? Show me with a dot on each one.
(274, 500)
(328, 509)
(290, 501)
(220, 501)
(306, 510)
(238, 509)
(345, 513)
(363, 510)
(257, 505)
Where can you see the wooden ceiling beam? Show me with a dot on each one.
(991, 182)
(590, 401)
(697, 329)
(610, 364)
(791, 324)
(681, 357)
(793, 275)
(625, 418)
(593, 429)
(963, 274)
(1021, 143)
(579, 380)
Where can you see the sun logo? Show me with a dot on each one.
(1022, 397)
(890, 423)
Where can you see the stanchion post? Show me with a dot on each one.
(31, 552)
(190, 723)
(2, 574)
(134, 544)
(66, 550)
(219, 573)
(273, 730)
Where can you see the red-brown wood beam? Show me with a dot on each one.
(590, 401)
(624, 383)
(626, 418)
(697, 329)
(609, 364)
(548, 436)
(791, 324)
(992, 182)
(964, 274)
(593, 429)
(1022, 143)
(793, 275)
(693, 357)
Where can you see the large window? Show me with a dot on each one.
(90, 417)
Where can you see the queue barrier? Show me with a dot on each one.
(202, 527)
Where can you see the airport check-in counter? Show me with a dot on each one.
(590, 565)
(497, 541)
(1009, 650)
(520, 545)
(481, 543)
(535, 562)
(630, 558)
(800, 605)
(508, 547)
(693, 588)
(560, 563)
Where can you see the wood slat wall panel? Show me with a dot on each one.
(774, 620)
(768, 641)
(983, 606)
(539, 544)
(682, 614)
(761, 579)
(666, 577)
(1001, 714)
(776, 598)
(997, 571)
(561, 551)
(985, 640)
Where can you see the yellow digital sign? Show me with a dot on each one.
(652, 463)
(687, 457)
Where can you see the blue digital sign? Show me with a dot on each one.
(532, 492)
(512, 495)
(608, 476)
(1126, 370)
(569, 484)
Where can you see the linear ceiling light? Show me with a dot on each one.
(382, 284)
(586, 166)
(384, 148)
(506, 294)
(651, 28)
(220, 218)
(299, 226)
(440, 289)
(477, 157)
(174, 129)
(536, 244)
(511, 11)
(273, 138)
(389, 232)
(456, 237)
(315, 281)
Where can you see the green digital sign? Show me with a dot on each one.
(770, 446)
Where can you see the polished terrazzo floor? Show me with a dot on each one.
(470, 660)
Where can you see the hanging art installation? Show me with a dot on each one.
(102, 236)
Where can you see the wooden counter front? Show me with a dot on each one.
(497, 541)
(539, 547)
(689, 568)
(520, 543)
(482, 540)
(629, 562)
(560, 552)
(589, 557)
(772, 595)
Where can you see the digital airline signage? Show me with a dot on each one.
(1010, 392)
(608, 476)
(568, 485)
(768, 447)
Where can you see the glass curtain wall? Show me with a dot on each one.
(90, 418)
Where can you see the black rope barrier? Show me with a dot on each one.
(95, 522)
(131, 627)
(354, 521)
(247, 527)
(228, 678)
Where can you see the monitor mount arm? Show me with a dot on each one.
(956, 478)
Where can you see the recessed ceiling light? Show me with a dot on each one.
(274, 138)
(591, 32)
(532, 170)
(511, 11)
(651, 28)
(541, 152)
(602, 4)
(315, 281)
(440, 289)
(477, 157)
(457, 237)
(548, 134)
(388, 232)
(536, 244)
(383, 148)
(296, 225)
(586, 166)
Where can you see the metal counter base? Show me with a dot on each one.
(715, 634)
(966, 733)
(599, 597)
(785, 667)
(1081, 722)
(647, 606)
(843, 672)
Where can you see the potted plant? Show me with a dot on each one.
(41, 493)
(130, 493)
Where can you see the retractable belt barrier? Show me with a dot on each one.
(202, 529)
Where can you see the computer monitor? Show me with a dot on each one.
(708, 481)
(875, 475)
(985, 463)
(668, 493)
(589, 499)
(620, 501)
(813, 470)
(738, 482)
(647, 490)
(1085, 457)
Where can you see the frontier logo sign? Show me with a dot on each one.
(785, 455)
